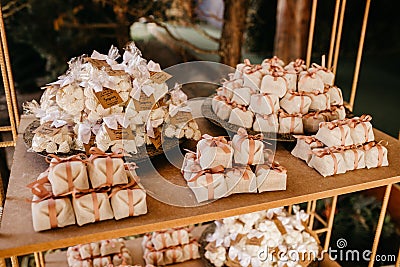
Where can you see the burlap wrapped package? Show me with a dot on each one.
(304, 146)
(173, 255)
(87, 251)
(319, 101)
(228, 87)
(290, 123)
(67, 174)
(128, 200)
(154, 257)
(111, 246)
(248, 149)
(92, 207)
(242, 117)
(161, 240)
(213, 152)
(264, 104)
(209, 184)
(102, 262)
(310, 82)
(266, 123)
(312, 120)
(179, 236)
(242, 95)
(51, 213)
(354, 158)
(190, 251)
(361, 129)
(336, 113)
(327, 161)
(190, 165)
(334, 133)
(291, 79)
(335, 95)
(271, 178)
(252, 75)
(241, 180)
(326, 75)
(123, 258)
(375, 155)
(295, 102)
(106, 169)
(274, 84)
(221, 107)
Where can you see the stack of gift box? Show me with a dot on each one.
(220, 168)
(85, 190)
(170, 246)
(275, 98)
(266, 238)
(106, 253)
(109, 104)
(342, 145)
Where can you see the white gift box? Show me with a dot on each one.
(295, 102)
(335, 133)
(87, 251)
(327, 162)
(304, 146)
(375, 155)
(290, 123)
(361, 129)
(52, 213)
(241, 180)
(274, 85)
(190, 166)
(155, 258)
(271, 178)
(228, 86)
(252, 79)
(241, 96)
(102, 262)
(264, 104)
(208, 186)
(179, 236)
(213, 152)
(161, 240)
(92, 208)
(312, 120)
(297, 66)
(326, 75)
(111, 246)
(266, 123)
(128, 202)
(173, 255)
(291, 79)
(310, 82)
(67, 174)
(124, 258)
(248, 149)
(221, 108)
(354, 159)
(241, 117)
(191, 251)
(335, 95)
(319, 101)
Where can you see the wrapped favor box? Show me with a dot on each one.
(92, 208)
(241, 180)
(248, 149)
(327, 162)
(335, 133)
(271, 178)
(295, 102)
(208, 186)
(128, 202)
(310, 82)
(266, 123)
(361, 129)
(264, 104)
(290, 123)
(221, 108)
(274, 84)
(241, 96)
(213, 152)
(304, 147)
(242, 117)
(354, 158)
(111, 246)
(375, 155)
(88, 251)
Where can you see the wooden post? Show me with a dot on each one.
(230, 46)
(292, 21)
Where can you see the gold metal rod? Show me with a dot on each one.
(309, 207)
(320, 231)
(333, 34)
(319, 218)
(37, 261)
(14, 261)
(359, 55)
(7, 144)
(290, 208)
(330, 222)
(338, 37)
(311, 32)
(5, 128)
(8, 96)
(8, 68)
(380, 224)
(312, 215)
(41, 259)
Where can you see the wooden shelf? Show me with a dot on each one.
(17, 236)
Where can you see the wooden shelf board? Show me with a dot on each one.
(17, 236)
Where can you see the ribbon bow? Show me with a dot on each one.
(308, 139)
(97, 153)
(130, 185)
(242, 133)
(318, 67)
(283, 114)
(354, 121)
(78, 157)
(250, 68)
(332, 124)
(219, 141)
(208, 172)
(152, 66)
(241, 171)
(85, 130)
(110, 58)
(113, 120)
(138, 87)
(177, 95)
(173, 109)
